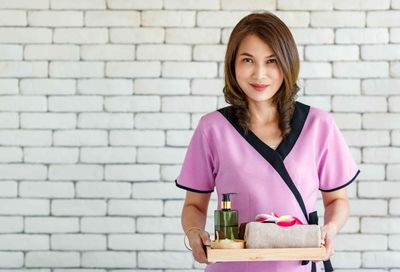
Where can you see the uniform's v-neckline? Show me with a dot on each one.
(285, 146)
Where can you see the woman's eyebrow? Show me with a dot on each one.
(250, 55)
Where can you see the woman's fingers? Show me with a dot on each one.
(198, 241)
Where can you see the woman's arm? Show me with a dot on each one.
(336, 205)
(194, 215)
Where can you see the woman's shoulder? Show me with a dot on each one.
(316, 116)
(212, 119)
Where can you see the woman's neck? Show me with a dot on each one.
(263, 114)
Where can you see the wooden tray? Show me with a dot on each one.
(265, 254)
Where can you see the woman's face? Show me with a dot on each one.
(257, 71)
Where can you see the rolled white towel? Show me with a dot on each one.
(270, 235)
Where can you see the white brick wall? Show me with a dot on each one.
(99, 99)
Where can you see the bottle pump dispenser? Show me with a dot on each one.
(226, 220)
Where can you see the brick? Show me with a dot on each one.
(146, 190)
(48, 120)
(161, 155)
(107, 52)
(135, 242)
(24, 207)
(8, 86)
(219, 18)
(162, 86)
(24, 4)
(80, 35)
(165, 259)
(207, 86)
(168, 18)
(179, 137)
(24, 242)
(192, 35)
(23, 171)
(394, 104)
(381, 259)
(10, 224)
(352, 225)
(304, 5)
(47, 86)
(361, 35)
(8, 189)
(361, 4)
(51, 224)
(381, 155)
(112, 18)
(76, 172)
(315, 70)
(51, 52)
(78, 207)
(75, 103)
(10, 154)
(162, 121)
(141, 103)
(383, 18)
(348, 120)
(364, 104)
(137, 138)
(380, 52)
(313, 36)
(381, 120)
(109, 259)
(137, 35)
(392, 171)
(135, 207)
(189, 69)
(395, 69)
(23, 103)
(25, 35)
(331, 52)
(103, 189)
(321, 102)
(52, 259)
(133, 69)
(363, 69)
(107, 155)
(249, 5)
(105, 120)
(209, 52)
(67, 4)
(338, 19)
(11, 52)
(396, 138)
(164, 52)
(380, 225)
(23, 69)
(134, 4)
(394, 242)
(11, 259)
(363, 207)
(395, 35)
(174, 242)
(132, 172)
(372, 172)
(105, 86)
(347, 260)
(46, 189)
(378, 189)
(169, 172)
(188, 104)
(9, 120)
(80, 138)
(82, 69)
(386, 86)
(394, 206)
(108, 224)
(52, 18)
(352, 242)
(367, 138)
(79, 242)
(191, 4)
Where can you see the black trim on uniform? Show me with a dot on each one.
(344, 185)
(192, 190)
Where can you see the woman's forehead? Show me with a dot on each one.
(253, 45)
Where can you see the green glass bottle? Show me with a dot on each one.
(226, 220)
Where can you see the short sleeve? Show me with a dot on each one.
(337, 167)
(197, 169)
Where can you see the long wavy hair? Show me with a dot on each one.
(270, 29)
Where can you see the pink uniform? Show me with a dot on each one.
(314, 156)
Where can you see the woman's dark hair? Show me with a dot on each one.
(270, 29)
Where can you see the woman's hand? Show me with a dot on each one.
(328, 233)
(198, 239)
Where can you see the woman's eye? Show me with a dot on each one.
(248, 60)
(272, 61)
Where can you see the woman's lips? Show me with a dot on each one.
(259, 87)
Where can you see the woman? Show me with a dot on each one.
(274, 152)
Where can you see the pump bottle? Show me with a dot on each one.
(226, 219)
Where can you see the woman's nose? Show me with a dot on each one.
(260, 71)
